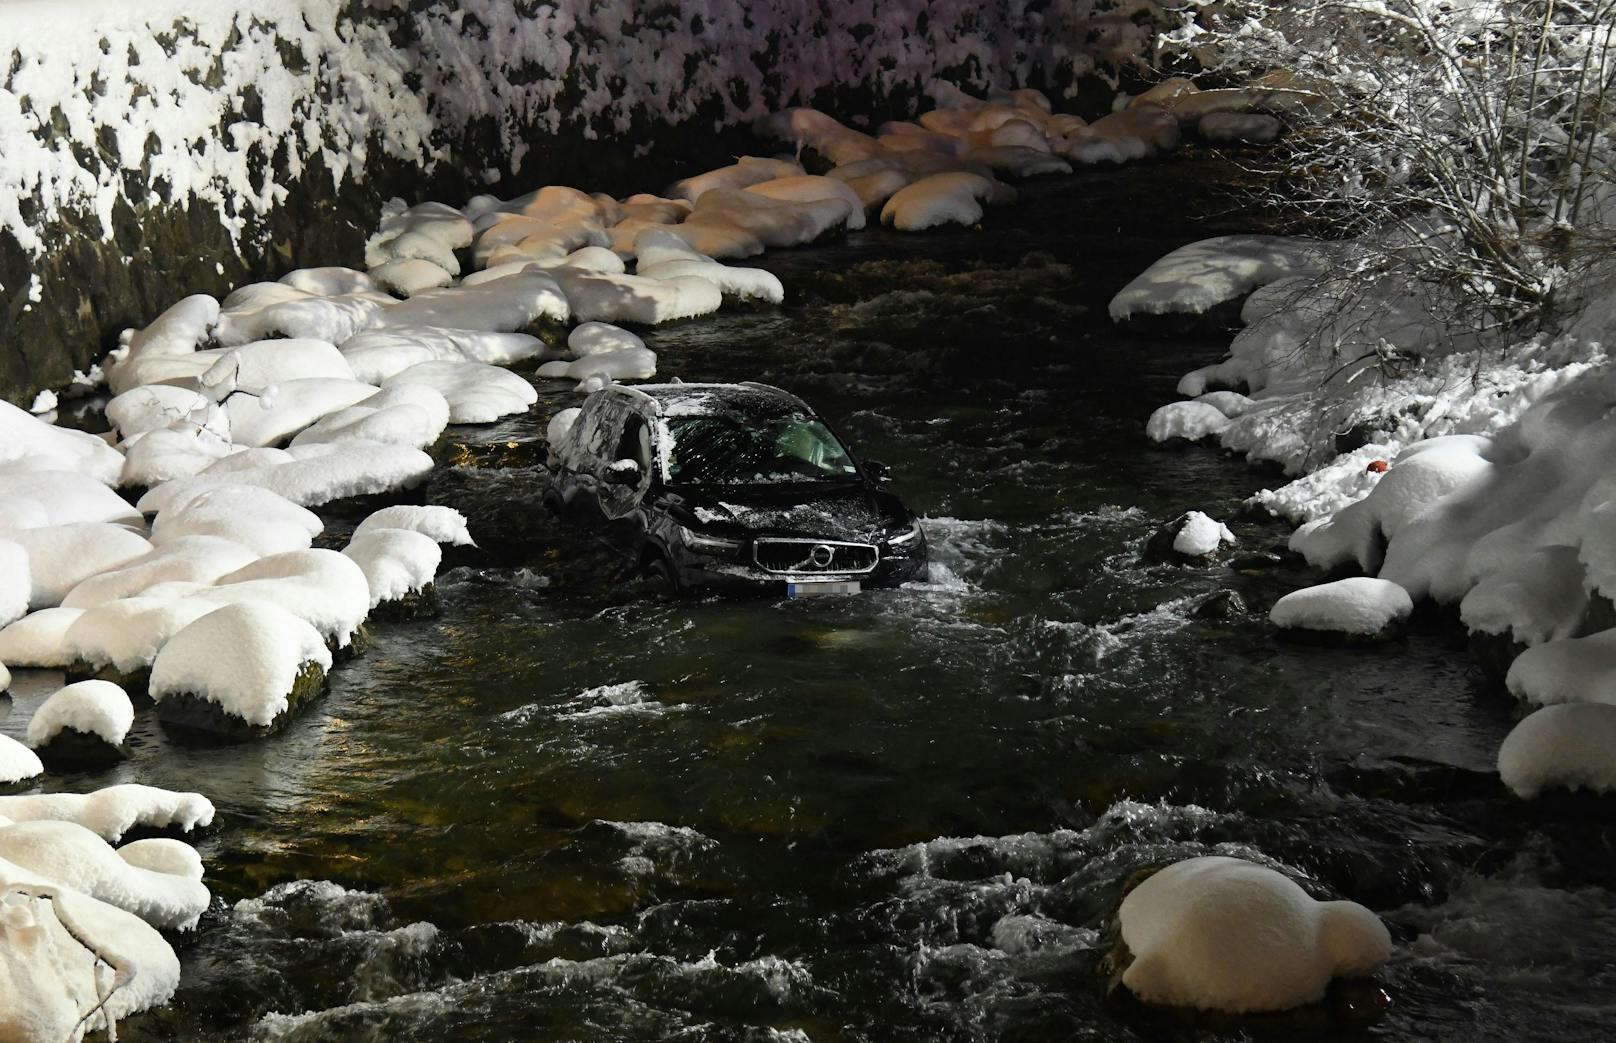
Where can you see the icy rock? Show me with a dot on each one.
(1568, 746)
(1238, 128)
(1201, 535)
(1572, 670)
(399, 566)
(1225, 934)
(1196, 278)
(1358, 606)
(240, 671)
(1191, 421)
(111, 812)
(81, 726)
(476, 393)
(60, 557)
(17, 762)
(71, 856)
(39, 639)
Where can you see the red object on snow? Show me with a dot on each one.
(1377, 467)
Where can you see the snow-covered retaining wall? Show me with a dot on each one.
(163, 144)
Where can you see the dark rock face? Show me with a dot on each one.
(73, 750)
(197, 721)
(421, 100)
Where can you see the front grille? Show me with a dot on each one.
(808, 557)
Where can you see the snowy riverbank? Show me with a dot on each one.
(1482, 479)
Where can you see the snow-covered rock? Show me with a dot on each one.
(441, 524)
(951, 198)
(126, 635)
(96, 709)
(39, 639)
(308, 475)
(60, 557)
(1568, 746)
(261, 520)
(16, 585)
(17, 762)
(1357, 606)
(111, 812)
(1198, 277)
(476, 393)
(71, 856)
(1191, 421)
(249, 660)
(1201, 535)
(397, 563)
(411, 414)
(1570, 670)
(176, 554)
(376, 355)
(1225, 934)
(28, 443)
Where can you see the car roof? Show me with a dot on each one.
(699, 399)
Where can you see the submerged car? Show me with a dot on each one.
(736, 487)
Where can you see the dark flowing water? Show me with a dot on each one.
(563, 811)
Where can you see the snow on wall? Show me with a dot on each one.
(229, 102)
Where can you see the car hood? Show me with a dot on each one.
(840, 512)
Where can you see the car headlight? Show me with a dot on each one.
(705, 544)
(905, 538)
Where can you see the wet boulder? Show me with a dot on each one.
(1221, 604)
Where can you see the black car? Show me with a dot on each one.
(731, 487)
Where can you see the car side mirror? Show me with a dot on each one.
(877, 471)
(623, 472)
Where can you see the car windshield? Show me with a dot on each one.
(724, 449)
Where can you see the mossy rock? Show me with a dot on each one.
(194, 720)
(357, 645)
(73, 750)
(134, 683)
(417, 604)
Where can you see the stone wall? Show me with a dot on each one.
(154, 149)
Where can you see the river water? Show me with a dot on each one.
(566, 810)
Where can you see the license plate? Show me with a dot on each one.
(816, 588)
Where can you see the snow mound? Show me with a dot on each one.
(747, 171)
(61, 557)
(163, 855)
(329, 319)
(1201, 535)
(61, 498)
(376, 355)
(39, 639)
(16, 585)
(411, 415)
(1572, 670)
(593, 338)
(308, 475)
(407, 277)
(128, 633)
(1191, 421)
(258, 519)
(505, 305)
(1195, 278)
(476, 393)
(275, 416)
(175, 555)
(637, 299)
(1224, 934)
(950, 198)
(1561, 747)
(441, 524)
(29, 443)
(331, 281)
(320, 587)
(71, 856)
(97, 708)
(111, 812)
(244, 657)
(1356, 605)
(396, 562)
(17, 762)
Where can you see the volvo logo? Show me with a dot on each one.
(822, 556)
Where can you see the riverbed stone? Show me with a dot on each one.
(192, 719)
